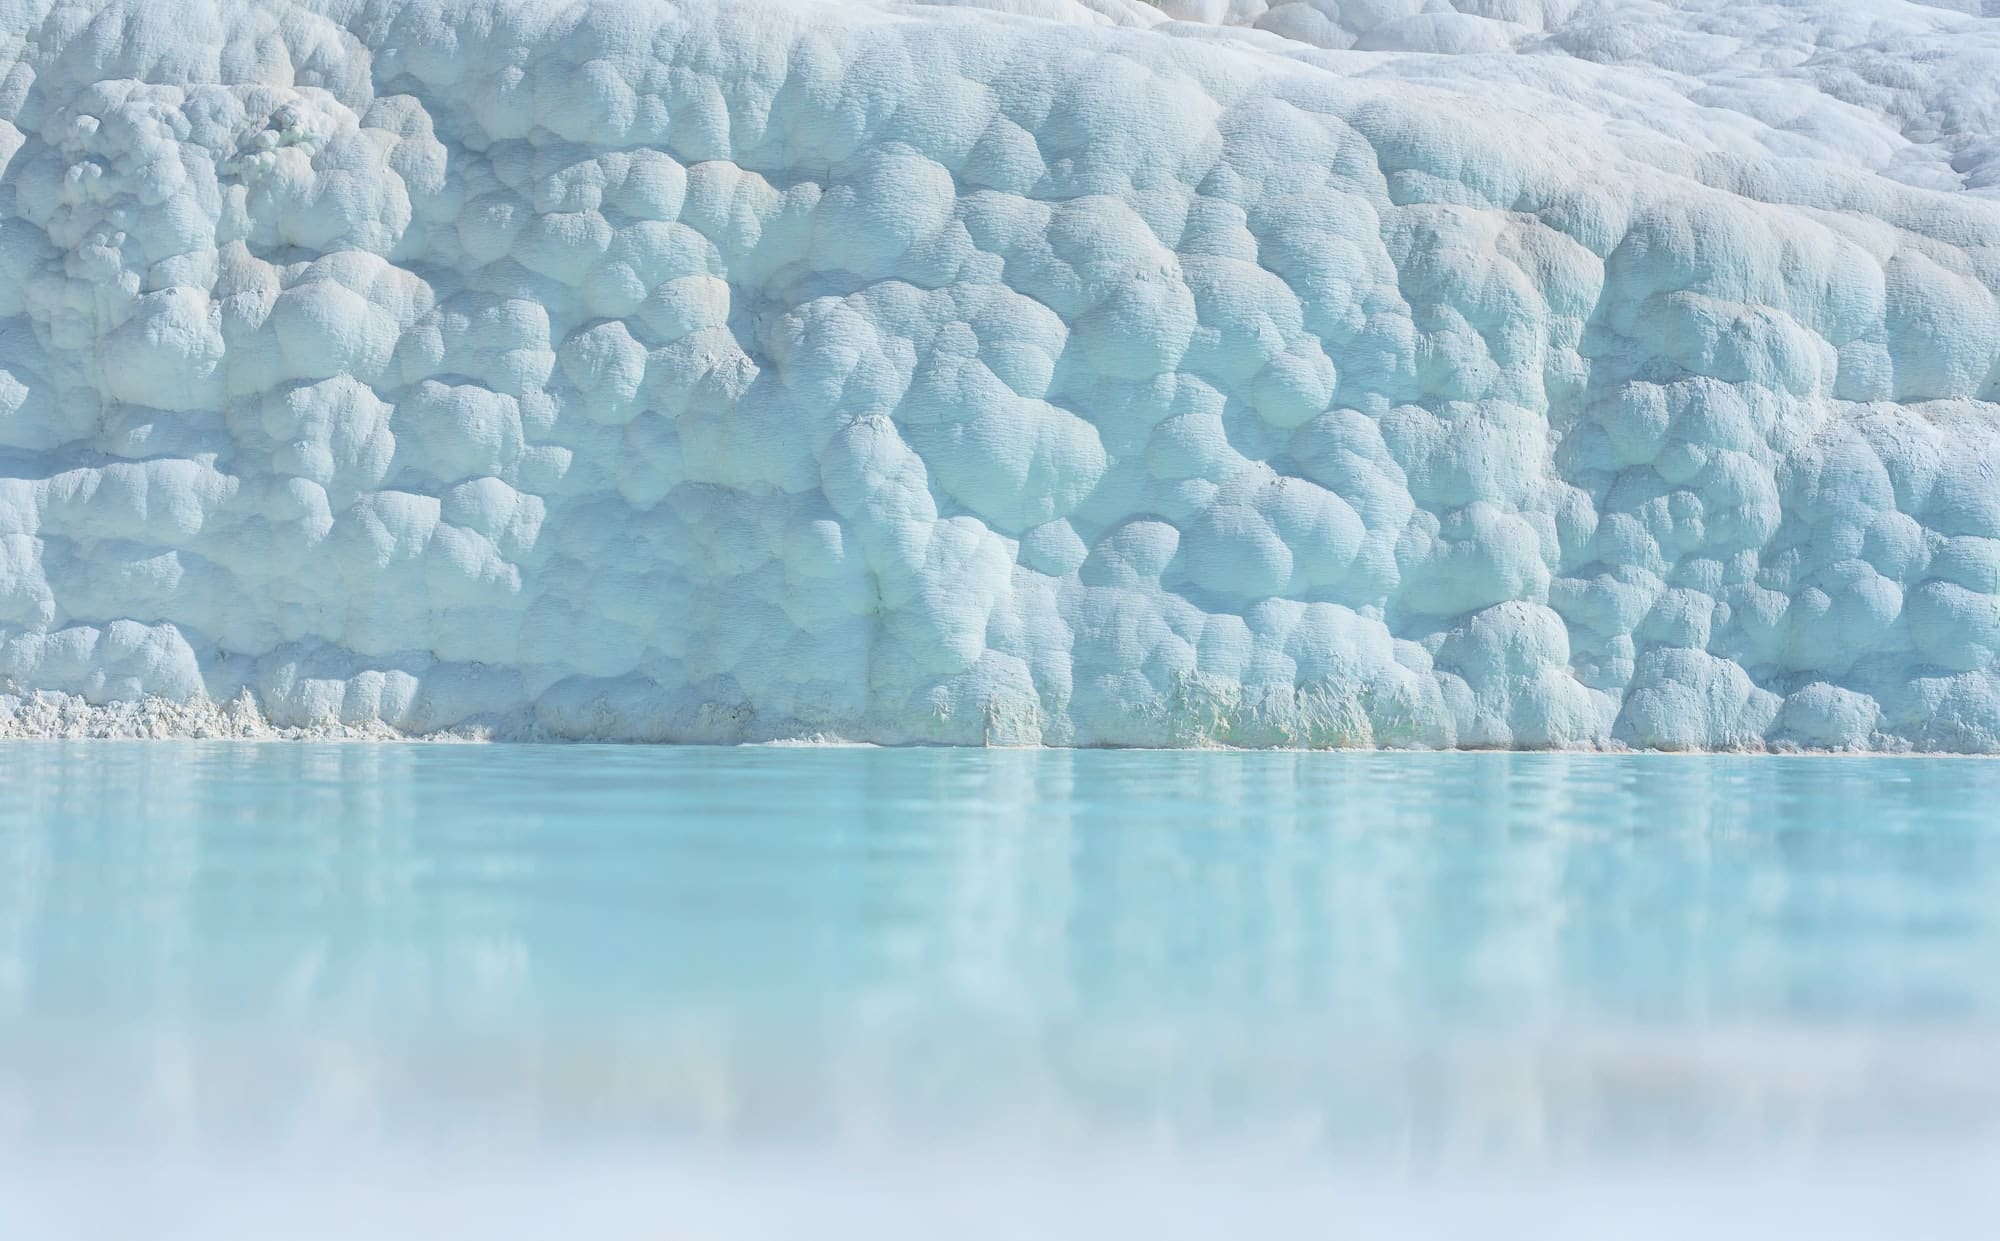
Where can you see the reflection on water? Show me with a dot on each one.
(1417, 961)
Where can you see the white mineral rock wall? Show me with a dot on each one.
(1394, 372)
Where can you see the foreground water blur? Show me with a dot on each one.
(428, 991)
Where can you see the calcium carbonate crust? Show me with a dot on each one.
(1536, 373)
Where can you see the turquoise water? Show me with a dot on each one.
(1372, 967)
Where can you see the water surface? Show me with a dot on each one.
(681, 969)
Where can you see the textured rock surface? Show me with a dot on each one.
(1494, 372)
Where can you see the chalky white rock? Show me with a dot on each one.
(1331, 372)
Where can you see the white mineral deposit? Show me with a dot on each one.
(1532, 373)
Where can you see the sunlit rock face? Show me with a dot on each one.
(1377, 372)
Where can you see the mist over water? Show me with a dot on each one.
(483, 990)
